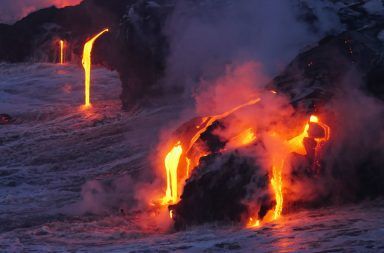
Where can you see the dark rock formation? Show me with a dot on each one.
(218, 190)
(227, 186)
(135, 46)
(140, 51)
(313, 76)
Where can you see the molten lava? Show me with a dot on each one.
(187, 155)
(295, 145)
(277, 185)
(87, 66)
(253, 223)
(171, 164)
(172, 158)
(327, 130)
(208, 121)
(62, 52)
(244, 138)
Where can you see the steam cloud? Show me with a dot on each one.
(12, 10)
(250, 42)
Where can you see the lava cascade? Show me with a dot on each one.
(87, 63)
(247, 136)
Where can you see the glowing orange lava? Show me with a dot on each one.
(326, 128)
(171, 164)
(279, 157)
(87, 66)
(253, 223)
(244, 138)
(277, 185)
(61, 52)
(208, 121)
(296, 145)
(172, 158)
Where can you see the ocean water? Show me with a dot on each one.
(55, 150)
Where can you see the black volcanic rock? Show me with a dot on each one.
(218, 190)
(314, 76)
(135, 46)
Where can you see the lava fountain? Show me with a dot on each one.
(87, 66)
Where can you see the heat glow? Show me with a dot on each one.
(184, 160)
(87, 63)
(277, 185)
(171, 163)
(62, 52)
(253, 223)
(296, 145)
(172, 158)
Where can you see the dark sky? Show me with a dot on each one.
(12, 10)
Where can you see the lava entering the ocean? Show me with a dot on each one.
(62, 46)
(173, 157)
(87, 63)
(185, 155)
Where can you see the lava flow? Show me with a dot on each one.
(172, 158)
(277, 185)
(87, 66)
(180, 156)
(171, 163)
(295, 145)
(62, 52)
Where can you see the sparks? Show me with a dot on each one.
(87, 65)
